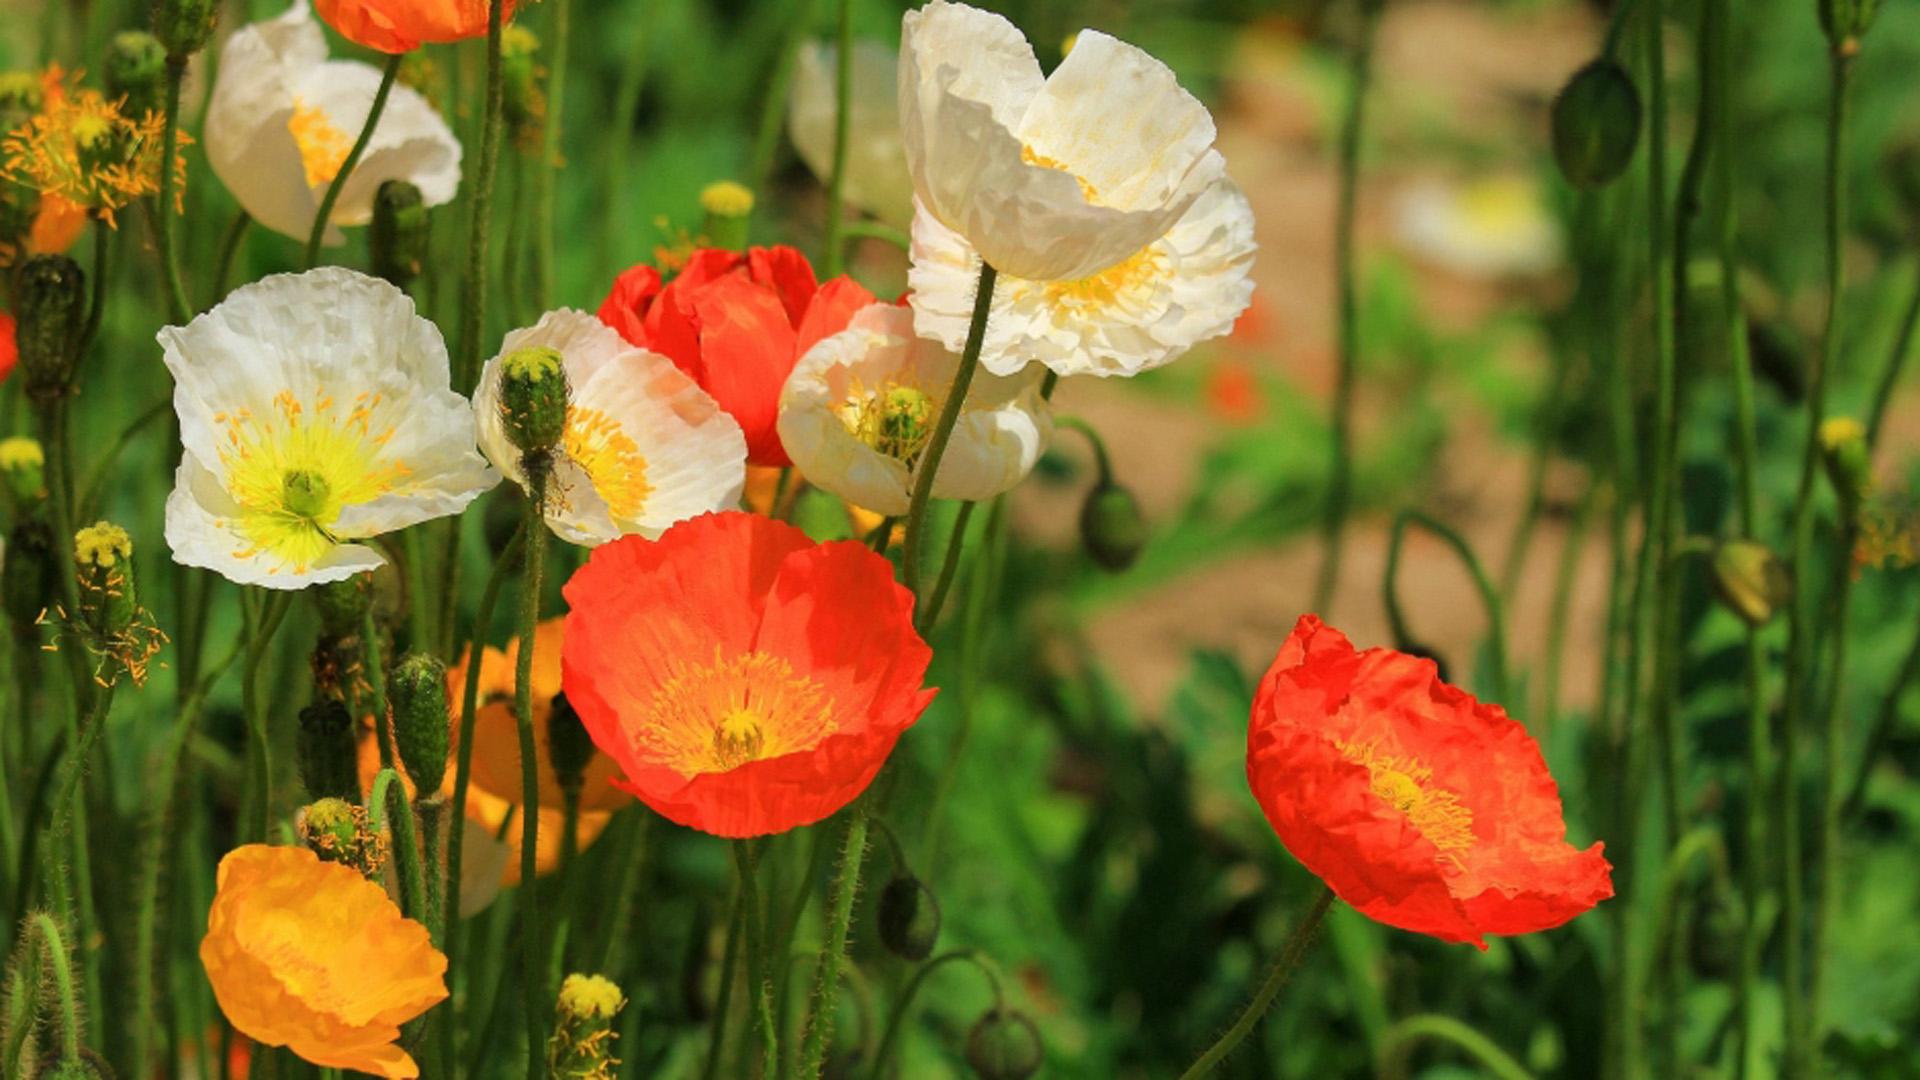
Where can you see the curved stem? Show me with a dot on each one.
(842, 127)
(1890, 374)
(256, 713)
(534, 533)
(1277, 976)
(324, 216)
(179, 308)
(896, 1020)
(949, 566)
(229, 247)
(826, 983)
(1396, 1047)
(473, 304)
(1102, 464)
(1489, 596)
(874, 230)
(928, 466)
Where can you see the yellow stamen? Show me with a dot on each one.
(1110, 286)
(323, 147)
(1034, 157)
(897, 421)
(610, 458)
(1406, 785)
(716, 717)
(102, 545)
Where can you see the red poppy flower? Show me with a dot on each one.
(745, 680)
(9, 347)
(736, 323)
(1416, 804)
(397, 26)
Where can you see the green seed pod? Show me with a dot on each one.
(51, 294)
(728, 206)
(1005, 1045)
(1112, 528)
(397, 239)
(184, 26)
(329, 764)
(27, 574)
(137, 71)
(533, 399)
(340, 831)
(1845, 21)
(581, 1046)
(23, 473)
(569, 747)
(418, 692)
(1596, 124)
(103, 567)
(1751, 581)
(909, 916)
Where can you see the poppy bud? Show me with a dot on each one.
(1843, 449)
(329, 764)
(1596, 124)
(728, 206)
(1111, 526)
(1845, 21)
(184, 26)
(103, 565)
(51, 297)
(340, 831)
(1751, 580)
(88, 1066)
(909, 917)
(136, 72)
(343, 605)
(524, 105)
(26, 575)
(1005, 1045)
(581, 1046)
(418, 691)
(23, 472)
(398, 237)
(533, 399)
(569, 747)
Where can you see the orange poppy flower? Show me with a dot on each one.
(1419, 806)
(746, 680)
(311, 956)
(736, 323)
(397, 26)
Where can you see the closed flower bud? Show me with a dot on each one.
(1845, 21)
(27, 574)
(533, 399)
(103, 566)
(329, 764)
(398, 237)
(581, 1046)
(1596, 124)
(909, 916)
(343, 605)
(569, 747)
(418, 691)
(184, 26)
(728, 205)
(51, 297)
(136, 72)
(1005, 1045)
(340, 831)
(1111, 526)
(1750, 580)
(1843, 449)
(23, 473)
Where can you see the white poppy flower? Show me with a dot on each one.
(876, 179)
(1490, 227)
(315, 411)
(1186, 287)
(1049, 177)
(644, 446)
(284, 117)
(860, 406)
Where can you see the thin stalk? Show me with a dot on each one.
(773, 106)
(260, 638)
(826, 982)
(1277, 976)
(1890, 374)
(179, 308)
(842, 126)
(1396, 1047)
(1561, 609)
(897, 1020)
(949, 566)
(550, 152)
(473, 304)
(723, 1000)
(928, 466)
(1882, 731)
(229, 247)
(324, 216)
(1489, 596)
(534, 532)
(758, 964)
(983, 578)
(1834, 730)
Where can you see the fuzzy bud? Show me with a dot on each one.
(23, 473)
(343, 605)
(103, 566)
(184, 26)
(581, 1046)
(1751, 580)
(1843, 449)
(88, 1066)
(137, 71)
(569, 747)
(27, 574)
(1005, 1045)
(397, 239)
(51, 296)
(418, 691)
(728, 206)
(340, 831)
(1596, 124)
(329, 764)
(1112, 528)
(533, 399)
(909, 917)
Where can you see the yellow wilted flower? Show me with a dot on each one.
(80, 148)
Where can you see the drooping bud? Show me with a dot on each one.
(103, 567)
(1845, 21)
(418, 692)
(524, 104)
(1751, 580)
(1596, 124)
(27, 574)
(569, 747)
(397, 239)
(184, 26)
(51, 293)
(1005, 1045)
(909, 916)
(1843, 449)
(329, 766)
(137, 72)
(23, 473)
(533, 399)
(1111, 526)
(340, 831)
(581, 1046)
(728, 206)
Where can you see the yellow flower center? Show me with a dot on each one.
(1406, 785)
(323, 147)
(896, 421)
(610, 458)
(1108, 287)
(1034, 157)
(292, 473)
(715, 717)
(102, 545)
(79, 148)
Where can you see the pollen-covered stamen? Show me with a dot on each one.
(1406, 785)
(611, 459)
(1113, 287)
(718, 716)
(896, 421)
(1034, 157)
(323, 146)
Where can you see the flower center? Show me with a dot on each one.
(896, 421)
(323, 147)
(1111, 286)
(1406, 785)
(1034, 157)
(612, 461)
(715, 717)
(293, 471)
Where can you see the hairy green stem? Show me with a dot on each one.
(826, 982)
(759, 969)
(538, 1002)
(473, 303)
(1277, 976)
(928, 465)
(1489, 595)
(179, 308)
(1396, 1047)
(903, 1004)
(544, 257)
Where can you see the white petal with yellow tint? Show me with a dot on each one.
(876, 177)
(1487, 227)
(857, 411)
(1187, 287)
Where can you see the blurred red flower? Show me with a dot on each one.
(9, 347)
(397, 26)
(1419, 806)
(745, 680)
(736, 323)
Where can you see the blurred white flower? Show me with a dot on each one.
(876, 179)
(284, 117)
(1048, 177)
(860, 406)
(1146, 311)
(1490, 227)
(644, 446)
(315, 412)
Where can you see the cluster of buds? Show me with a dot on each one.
(342, 832)
(110, 623)
(581, 1046)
